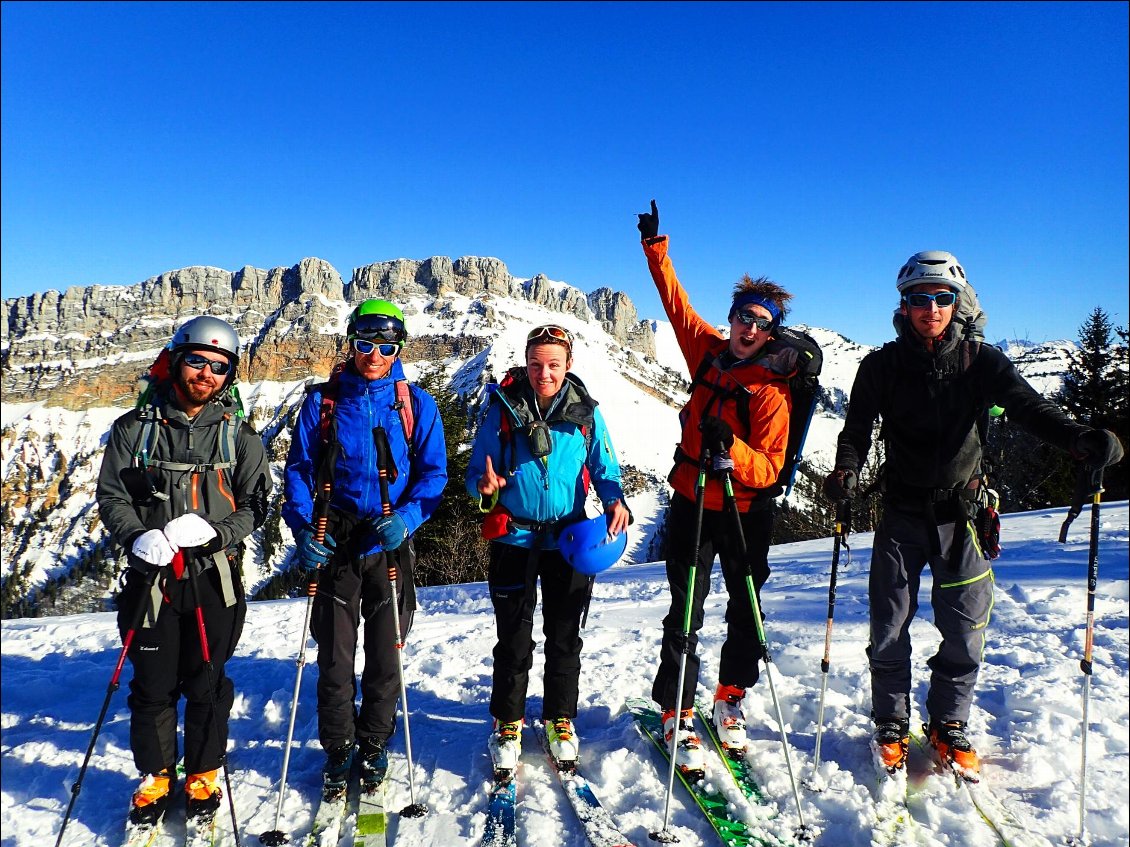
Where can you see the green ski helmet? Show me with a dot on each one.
(377, 320)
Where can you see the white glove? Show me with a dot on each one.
(189, 531)
(153, 547)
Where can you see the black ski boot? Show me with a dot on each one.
(374, 762)
(335, 774)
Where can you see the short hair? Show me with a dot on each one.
(764, 287)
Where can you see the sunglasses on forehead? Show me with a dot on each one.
(750, 319)
(366, 347)
(550, 332)
(198, 363)
(922, 301)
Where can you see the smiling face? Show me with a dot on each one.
(746, 341)
(197, 387)
(546, 366)
(931, 321)
(373, 365)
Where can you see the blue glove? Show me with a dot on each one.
(390, 531)
(313, 555)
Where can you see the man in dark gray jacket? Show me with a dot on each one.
(183, 481)
(931, 387)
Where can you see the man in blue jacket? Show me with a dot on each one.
(366, 400)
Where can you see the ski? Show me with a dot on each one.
(327, 822)
(1010, 829)
(372, 820)
(893, 824)
(713, 804)
(738, 766)
(142, 835)
(600, 827)
(201, 830)
(501, 829)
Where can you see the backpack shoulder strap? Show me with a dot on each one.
(407, 413)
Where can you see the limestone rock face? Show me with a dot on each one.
(86, 347)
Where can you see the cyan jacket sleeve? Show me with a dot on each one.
(604, 467)
(487, 443)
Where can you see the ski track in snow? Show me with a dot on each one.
(1026, 721)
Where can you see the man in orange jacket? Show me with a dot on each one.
(738, 413)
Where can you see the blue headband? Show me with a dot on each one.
(751, 299)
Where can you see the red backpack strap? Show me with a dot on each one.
(330, 390)
(407, 417)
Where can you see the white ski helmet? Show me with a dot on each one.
(206, 333)
(932, 266)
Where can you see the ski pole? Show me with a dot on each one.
(802, 833)
(1093, 480)
(840, 534)
(206, 654)
(143, 601)
(384, 462)
(664, 835)
(322, 498)
(275, 837)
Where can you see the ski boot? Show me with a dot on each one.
(150, 800)
(889, 743)
(949, 740)
(505, 745)
(729, 722)
(564, 745)
(374, 762)
(335, 773)
(689, 756)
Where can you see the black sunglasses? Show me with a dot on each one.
(198, 363)
(750, 319)
(922, 301)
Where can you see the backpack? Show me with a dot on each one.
(804, 388)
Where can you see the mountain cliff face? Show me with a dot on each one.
(70, 364)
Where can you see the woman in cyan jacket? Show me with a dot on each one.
(541, 443)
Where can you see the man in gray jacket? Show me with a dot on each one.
(184, 480)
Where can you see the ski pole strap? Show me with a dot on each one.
(1088, 483)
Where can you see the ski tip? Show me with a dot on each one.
(274, 838)
(414, 810)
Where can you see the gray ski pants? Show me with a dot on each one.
(962, 599)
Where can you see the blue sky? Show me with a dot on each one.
(819, 144)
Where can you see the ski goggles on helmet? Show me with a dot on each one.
(366, 347)
(379, 328)
(750, 319)
(550, 333)
(198, 363)
(920, 300)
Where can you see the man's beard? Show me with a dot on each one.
(198, 392)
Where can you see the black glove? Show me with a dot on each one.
(649, 223)
(1097, 448)
(716, 434)
(840, 485)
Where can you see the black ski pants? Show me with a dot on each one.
(349, 590)
(168, 663)
(741, 651)
(512, 580)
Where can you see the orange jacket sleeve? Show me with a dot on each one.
(695, 336)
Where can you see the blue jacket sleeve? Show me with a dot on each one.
(604, 467)
(428, 474)
(487, 443)
(301, 461)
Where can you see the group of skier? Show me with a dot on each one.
(185, 480)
